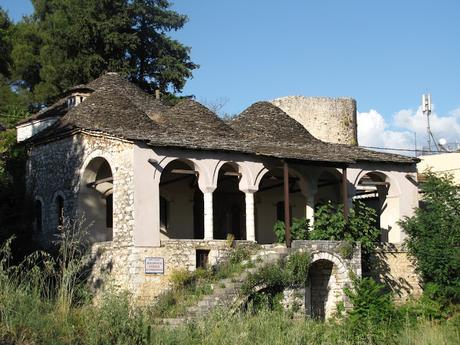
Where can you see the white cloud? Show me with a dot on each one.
(374, 130)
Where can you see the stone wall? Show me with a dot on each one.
(55, 168)
(392, 266)
(328, 119)
(124, 267)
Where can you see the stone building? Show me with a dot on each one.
(162, 187)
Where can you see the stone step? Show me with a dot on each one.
(227, 291)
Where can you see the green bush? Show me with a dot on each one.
(296, 267)
(373, 318)
(330, 224)
(299, 230)
(264, 288)
(434, 236)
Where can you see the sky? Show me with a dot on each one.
(385, 54)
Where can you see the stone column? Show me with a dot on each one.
(208, 216)
(310, 209)
(250, 221)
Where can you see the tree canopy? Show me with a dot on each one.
(434, 236)
(69, 42)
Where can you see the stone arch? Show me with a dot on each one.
(97, 154)
(380, 191)
(245, 182)
(180, 199)
(387, 176)
(204, 176)
(327, 277)
(95, 198)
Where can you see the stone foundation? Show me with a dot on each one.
(124, 267)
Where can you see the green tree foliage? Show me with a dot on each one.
(70, 42)
(434, 236)
(330, 224)
(5, 43)
(299, 230)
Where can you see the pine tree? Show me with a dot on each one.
(70, 42)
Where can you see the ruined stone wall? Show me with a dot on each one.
(328, 119)
(392, 266)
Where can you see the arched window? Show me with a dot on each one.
(38, 216)
(163, 213)
(60, 210)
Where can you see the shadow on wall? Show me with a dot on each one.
(386, 263)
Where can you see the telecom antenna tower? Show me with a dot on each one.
(426, 108)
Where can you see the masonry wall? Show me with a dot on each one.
(392, 266)
(328, 119)
(56, 168)
(115, 264)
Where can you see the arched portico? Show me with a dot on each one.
(180, 201)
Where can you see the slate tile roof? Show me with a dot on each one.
(119, 108)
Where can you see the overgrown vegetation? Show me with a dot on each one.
(190, 286)
(44, 301)
(299, 230)
(434, 237)
(264, 288)
(330, 224)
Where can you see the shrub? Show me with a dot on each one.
(271, 280)
(330, 224)
(299, 230)
(296, 267)
(181, 278)
(373, 318)
(434, 236)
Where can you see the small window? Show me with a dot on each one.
(60, 210)
(280, 212)
(163, 213)
(109, 211)
(38, 216)
(202, 256)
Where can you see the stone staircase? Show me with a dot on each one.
(226, 292)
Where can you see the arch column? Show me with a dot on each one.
(250, 214)
(208, 214)
(309, 192)
(310, 208)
